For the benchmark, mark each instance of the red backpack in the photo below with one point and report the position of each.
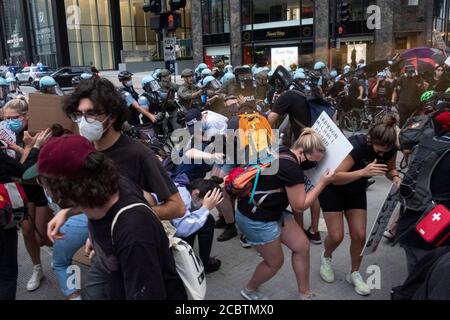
(13, 204)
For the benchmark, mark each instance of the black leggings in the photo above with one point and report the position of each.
(205, 238)
(8, 264)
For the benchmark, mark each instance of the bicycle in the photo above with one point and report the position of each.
(155, 136)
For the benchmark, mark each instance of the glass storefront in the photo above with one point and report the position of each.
(216, 16)
(13, 31)
(90, 42)
(441, 18)
(43, 43)
(285, 25)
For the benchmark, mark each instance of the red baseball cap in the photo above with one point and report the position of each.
(64, 156)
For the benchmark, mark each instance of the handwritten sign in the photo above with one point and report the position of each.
(382, 220)
(338, 147)
(8, 136)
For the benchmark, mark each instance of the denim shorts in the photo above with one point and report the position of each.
(259, 232)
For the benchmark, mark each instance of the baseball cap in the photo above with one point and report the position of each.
(62, 157)
(193, 116)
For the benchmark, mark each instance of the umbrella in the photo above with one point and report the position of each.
(422, 65)
(424, 53)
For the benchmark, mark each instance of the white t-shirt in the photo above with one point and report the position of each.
(215, 123)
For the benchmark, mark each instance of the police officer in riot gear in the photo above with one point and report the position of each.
(215, 100)
(188, 93)
(167, 95)
(131, 96)
(4, 92)
(48, 85)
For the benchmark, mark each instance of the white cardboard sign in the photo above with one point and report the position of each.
(8, 136)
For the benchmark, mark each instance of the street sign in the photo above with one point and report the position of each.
(169, 49)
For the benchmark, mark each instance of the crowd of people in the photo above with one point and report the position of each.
(113, 194)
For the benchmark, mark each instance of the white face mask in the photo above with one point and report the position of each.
(129, 83)
(92, 131)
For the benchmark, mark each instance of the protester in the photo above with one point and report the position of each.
(267, 225)
(373, 154)
(127, 236)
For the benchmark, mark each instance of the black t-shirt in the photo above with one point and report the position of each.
(139, 164)
(409, 91)
(363, 154)
(337, 88)
(139, 264)
(439, 185)
(289, 174)
(353, 90)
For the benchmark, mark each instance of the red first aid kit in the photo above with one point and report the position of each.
(434, 227)
(13, 204)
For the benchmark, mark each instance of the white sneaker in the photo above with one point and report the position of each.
(358, 283)
(326, 271)
(36, 277)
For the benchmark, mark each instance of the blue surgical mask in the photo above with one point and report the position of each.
(15, 125)
(129, 83)
(52, 205)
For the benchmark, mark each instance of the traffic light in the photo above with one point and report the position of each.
(177, 4)
(344, 11)
(154, 6)
(170, 20)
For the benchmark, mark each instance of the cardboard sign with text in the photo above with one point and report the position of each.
(381, 221)
(46, 110)
(7, 136)
(338, 147)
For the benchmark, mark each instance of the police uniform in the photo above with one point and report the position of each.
(130, 96)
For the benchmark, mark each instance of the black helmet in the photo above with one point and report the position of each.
(123, 75)
(76, 81)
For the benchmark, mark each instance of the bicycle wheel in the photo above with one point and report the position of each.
(352, 120)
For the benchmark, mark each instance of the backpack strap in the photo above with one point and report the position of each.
(131, 206)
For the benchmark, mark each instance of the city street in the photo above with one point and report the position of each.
(238, 264)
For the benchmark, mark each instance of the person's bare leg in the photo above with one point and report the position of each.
(392, 226)
(335, 226)
(357, 223)
(265, 270)
(315, 216)
(43, 217)
(29, 238)
(295, 239)
(226, 208)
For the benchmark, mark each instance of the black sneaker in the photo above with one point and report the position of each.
(313, 237)
(213, 265)
(370, 182)
(229, 233)
(244, 243)
(220, 224)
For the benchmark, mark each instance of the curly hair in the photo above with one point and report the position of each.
(104, 97)
(92, 189)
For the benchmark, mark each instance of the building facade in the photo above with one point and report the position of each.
(105, 33)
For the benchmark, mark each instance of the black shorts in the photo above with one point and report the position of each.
(338, 199)
(36, 195)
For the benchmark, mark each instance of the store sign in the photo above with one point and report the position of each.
(275, 34)
(439, 40)
(284, 56)
(15, 41)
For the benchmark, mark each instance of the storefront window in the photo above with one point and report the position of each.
(216, 16)
(91, 43)
(12, 26)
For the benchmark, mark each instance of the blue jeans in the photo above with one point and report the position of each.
(75, 232)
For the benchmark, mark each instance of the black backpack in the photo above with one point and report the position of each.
(414, 130)
(416, 285)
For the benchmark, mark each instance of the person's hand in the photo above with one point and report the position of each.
(217, 156)
(327, 177)
(28, 139)
(152, 117)
(54, 226)
(42, 137)
(196, 94)
(89, 249)
(397, 181)
(375, 169)
(13, 146)
(212, 199)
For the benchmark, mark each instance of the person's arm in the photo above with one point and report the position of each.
(395, 94)
(196, 154)
(343, 176)
(144, 112)
(375, 89)
(361, 93)
(173, 207)
(392, 173)
(273, 118)
(296, 194)
(54, 226)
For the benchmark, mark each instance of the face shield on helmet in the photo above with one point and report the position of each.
(149, 84)
(213, 84)
(55, 89)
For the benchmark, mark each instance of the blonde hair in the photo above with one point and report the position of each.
(18, 104)
(309, 141)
